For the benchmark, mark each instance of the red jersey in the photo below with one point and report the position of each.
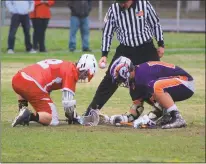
(52, 74)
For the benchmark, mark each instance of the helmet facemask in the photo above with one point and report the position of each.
(122, 77)
(120, 81)
(87, 66)
(120, 71)
(83, 74)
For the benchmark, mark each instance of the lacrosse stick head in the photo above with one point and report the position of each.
(91, 120)
(87, 66)
(120, 71)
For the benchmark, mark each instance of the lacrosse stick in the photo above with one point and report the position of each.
(63, 120)
(126, 123)
(91, 120)
(142, 126)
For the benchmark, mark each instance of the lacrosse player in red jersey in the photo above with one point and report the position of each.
(160, 83)
(34, 84)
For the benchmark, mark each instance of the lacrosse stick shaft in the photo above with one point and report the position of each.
(126, 123)
(63, 120)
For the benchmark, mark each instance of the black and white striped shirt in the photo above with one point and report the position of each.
(133, 26)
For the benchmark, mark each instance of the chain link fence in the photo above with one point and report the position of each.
(174, 15)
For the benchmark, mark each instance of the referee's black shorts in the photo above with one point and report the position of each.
(143, 53)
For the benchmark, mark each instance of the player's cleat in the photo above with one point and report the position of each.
(165, 119)
(176, 122)
(103, 119)
(23, 117)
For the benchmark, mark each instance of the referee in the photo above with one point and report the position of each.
(135, 23)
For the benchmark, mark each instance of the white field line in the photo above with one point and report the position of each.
(167, 50)
(113, 50)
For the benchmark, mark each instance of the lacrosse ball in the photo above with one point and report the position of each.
(103, 65)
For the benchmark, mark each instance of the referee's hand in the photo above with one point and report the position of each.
(102, 60)
(160, 51)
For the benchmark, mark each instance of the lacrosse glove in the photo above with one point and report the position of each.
(136, 110)
(144, 122)
(118, 119)
(70, 111)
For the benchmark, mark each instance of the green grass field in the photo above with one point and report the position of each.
(76, 143)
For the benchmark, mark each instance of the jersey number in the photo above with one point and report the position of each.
(45, 63)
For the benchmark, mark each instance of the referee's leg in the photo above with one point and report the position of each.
(106, 88)
(103, 93)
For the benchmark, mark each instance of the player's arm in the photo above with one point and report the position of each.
(69, 74)
(67, 101)
(137, 107)
(135, 110)
(141, 95)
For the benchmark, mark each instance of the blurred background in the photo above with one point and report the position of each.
(177, 16)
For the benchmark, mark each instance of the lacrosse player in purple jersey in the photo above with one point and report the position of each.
(160, 83)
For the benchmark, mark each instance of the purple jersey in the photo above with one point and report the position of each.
(147, 73)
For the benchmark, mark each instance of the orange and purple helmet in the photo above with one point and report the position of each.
(120, 70)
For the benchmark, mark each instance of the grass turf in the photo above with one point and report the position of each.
(75, 143)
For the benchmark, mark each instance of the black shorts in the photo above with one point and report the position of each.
(138, 55)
